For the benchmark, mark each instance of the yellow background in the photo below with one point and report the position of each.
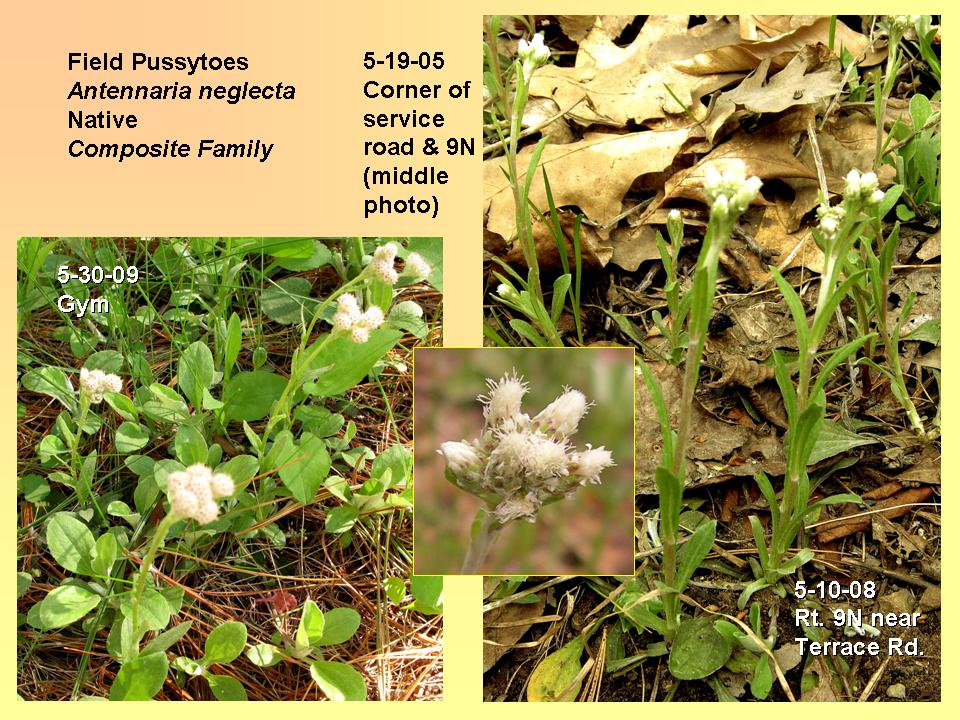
(310, 186)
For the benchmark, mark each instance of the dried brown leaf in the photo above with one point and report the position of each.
(593, 175)
(790, 87)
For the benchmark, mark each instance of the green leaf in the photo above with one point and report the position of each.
(288, 301)
(131, 437)
(122, 405)
(762, 678)
(398, 460)
(141, 678)
(195, 372)
(225, 687)
(53, 382)
(310, 629)
(339, 625)
(224, 643)
(698, 650)
(64, 605)
(320, 255)
(264, 655)
(250, 395)
(23, 583)
(427, 591)
(395, 588)
(304, 468)
(154, 610)
(104, 555)
(110, 361)
(550, 680)
(928, 332)
(693, 552)
(318, 420)
(338, 681)
(344, 364)
(52, 448)
(189, 445)
(341, 519)
(835, 439)
(242, 468)
(167, 639)
(232, 342)
(70, 542)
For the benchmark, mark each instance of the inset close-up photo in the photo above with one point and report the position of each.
(523, 461)
(214, 484)
(753, 204)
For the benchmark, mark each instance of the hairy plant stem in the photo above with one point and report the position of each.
(159, 535)
(480, 543)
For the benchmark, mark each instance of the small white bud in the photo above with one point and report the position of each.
(563, 415)
(459, 456)
(504, 399)
(591, 462)
(876, 197)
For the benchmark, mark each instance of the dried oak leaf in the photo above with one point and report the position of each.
(794, 85)
(577, 27)
(782, 37)
(627, 84)
(593, 175)
(767, 155)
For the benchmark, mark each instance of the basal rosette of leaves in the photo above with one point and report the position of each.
(219, 427)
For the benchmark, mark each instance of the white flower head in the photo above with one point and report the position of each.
(347, 305)
(221, 485)
(517, 507)
(359, 334)
(546, 458)
(862, 188)
(372, 318)
(590, 463)
(459, 456)
(532, 54)
(342, 321)
(95, 383)
(729, 191)
(383, 270)
(194, 492)
(504, 399)
(417, 267)
(564, 414)
(386, 253)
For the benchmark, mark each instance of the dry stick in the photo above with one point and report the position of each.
(487, 149)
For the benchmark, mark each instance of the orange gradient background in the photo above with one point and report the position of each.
(311, 185)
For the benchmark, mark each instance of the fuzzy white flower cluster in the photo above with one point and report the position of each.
(532, 54)
(95, 383)
(730, 192)
(519, 463)
(862, 188)
(349, 318)
(830, 219)
(382, 264)
(383, 269)
(194, 492)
